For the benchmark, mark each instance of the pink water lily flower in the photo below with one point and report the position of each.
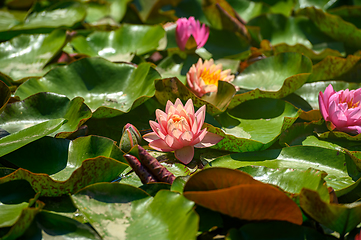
(342, 109)
(191, 27)
(179, 129)
(203, 78)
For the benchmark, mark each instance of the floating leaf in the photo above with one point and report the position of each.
(121, 44)
(271, 116)
(109, 89)
(130, 209)
(237, 194)
(19, 217)
(291, 180)
(334, 26)
(42, 107)
(18, 139)
(27, 55)
(341, 218)
(330, 161)
(273, 77)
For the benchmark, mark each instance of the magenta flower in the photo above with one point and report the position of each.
(342, 109)
(203, 78)
(191, 27)
(179, 129)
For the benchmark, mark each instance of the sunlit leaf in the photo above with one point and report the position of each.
(121, 44)
(27, 55)
(42, 107)
(109, 89)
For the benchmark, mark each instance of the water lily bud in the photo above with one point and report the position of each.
(191, 34)
(341, 109)
(130, 137)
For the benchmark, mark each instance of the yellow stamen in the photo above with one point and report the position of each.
(211, 77)
(351, 104)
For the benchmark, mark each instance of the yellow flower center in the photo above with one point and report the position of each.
(351, 104)
(211, 77)
(176, 118)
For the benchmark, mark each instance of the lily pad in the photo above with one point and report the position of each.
(272, 77)
(341, 218)
(334, 26)
(109, 89)
(261, 120)
(18, 217)
(27, 55)
(130, 209)
(237, 194)
(42, 107)
(331, 161)
(75, 164)
(44, 20)
(121, 44)
(25, 136)
(98, 11)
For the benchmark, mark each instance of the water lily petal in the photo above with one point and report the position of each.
(185, 154)
(160, 145)
(209, 140)
(150, 137)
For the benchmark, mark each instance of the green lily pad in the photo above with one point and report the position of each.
(109, 89)
(331, 161)
(278, 28)
(87, 159)
(49, 225)
(261, 120)
(42, 107)
(313, 54)
(341, 218)
(237, 194)
(25, 136)
(172, 88)
(44, 20)
(272, 77)
(97, 11)
(27, 55)
(291, 180)
(5, 94)
(334, 26)
(18, 217)
(335, 68)
(249, 9)
(130, 209)
(121, 44)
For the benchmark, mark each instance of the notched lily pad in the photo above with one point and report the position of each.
(27, 55)
(109, 89)
(272, 77)
(42, 107)
(121, 44)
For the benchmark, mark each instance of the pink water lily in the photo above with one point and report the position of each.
(203, 78)
(191, 27)
(342, 109)
(179, 129)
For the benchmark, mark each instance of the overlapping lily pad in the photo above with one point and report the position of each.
(42, 107)
(254, 125)
(75, 164)
(27, 55)
(121, 44)
(130, 209)
(331, 161)
(109, 89)
(273, 77)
